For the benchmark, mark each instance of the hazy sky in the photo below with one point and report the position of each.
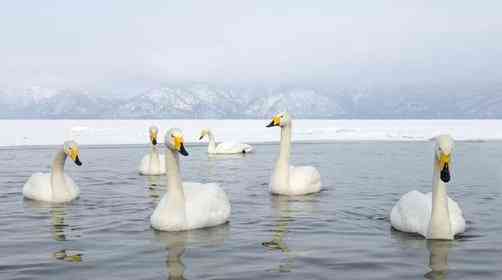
(98, 43)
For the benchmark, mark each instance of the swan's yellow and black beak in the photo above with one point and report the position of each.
(444, 166)
(178, 144)
(153, 138)
(276, 121)
(74, 155)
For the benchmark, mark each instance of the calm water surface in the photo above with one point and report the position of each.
(341, 233)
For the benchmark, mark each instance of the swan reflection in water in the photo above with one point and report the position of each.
(438, 260)
(156, 188)
(177, 242)
(155, 180)
(59, 229)
(287, 209)
(226, 156)
(438, 252)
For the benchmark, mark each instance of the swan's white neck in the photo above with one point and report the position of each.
(175, 204)
(281, 174)
(285, 144)
(212, 142)
(58, 183)
(440, 224)
(154, 159)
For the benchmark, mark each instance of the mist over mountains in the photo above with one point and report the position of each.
(204, 101)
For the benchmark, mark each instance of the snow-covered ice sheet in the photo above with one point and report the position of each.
(105, 132)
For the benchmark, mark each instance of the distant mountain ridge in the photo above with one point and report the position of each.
(203, 101)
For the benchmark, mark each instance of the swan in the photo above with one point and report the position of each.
(153, 163)
(225, 147)
(432, 215)
(287, 179)
(56, 186)
(187, 205)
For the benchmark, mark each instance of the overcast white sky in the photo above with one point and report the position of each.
(96, 43)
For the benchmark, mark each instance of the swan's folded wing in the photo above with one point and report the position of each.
(38, 187)
(304, 179)
(412, 213)
(233, 148)
(456, 217)
(206, 204)
(72, 186)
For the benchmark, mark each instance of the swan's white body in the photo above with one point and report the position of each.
(153, 163)
(412, 213)
(433, 215)
(189, 205)
(52, 187)
(290, 180)
(225, 147)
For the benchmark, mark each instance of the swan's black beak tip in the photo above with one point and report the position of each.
(78, 162)
(183, 151)
(154, 142)
(271, 124)
(200, 138)
(445, 174)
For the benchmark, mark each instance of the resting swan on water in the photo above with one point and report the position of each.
(187, 205)
(432, 215)
(153, 163)
(56, 186)
(225, 147)
(287, 179)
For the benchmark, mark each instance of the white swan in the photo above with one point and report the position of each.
(287, 179)
(225, 147)
(153, 163)
(56, 186)
(187, 205)
(432, 215)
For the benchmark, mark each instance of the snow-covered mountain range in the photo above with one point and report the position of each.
(203, 101)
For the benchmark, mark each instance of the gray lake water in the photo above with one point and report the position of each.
(343, 232)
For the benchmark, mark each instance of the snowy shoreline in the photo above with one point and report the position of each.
(116, 132)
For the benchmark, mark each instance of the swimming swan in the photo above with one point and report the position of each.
(153, 163)
(432, 215)
(287, 179)
(187, 205)
(56, 186)
(225, 147)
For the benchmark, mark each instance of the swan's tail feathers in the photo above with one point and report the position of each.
(316, 179)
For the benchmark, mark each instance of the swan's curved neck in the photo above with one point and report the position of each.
(58, 183)
(176, 198)
(285, 144)
(212, 142)
(440, 224)
(154, 158)
(281, 174)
